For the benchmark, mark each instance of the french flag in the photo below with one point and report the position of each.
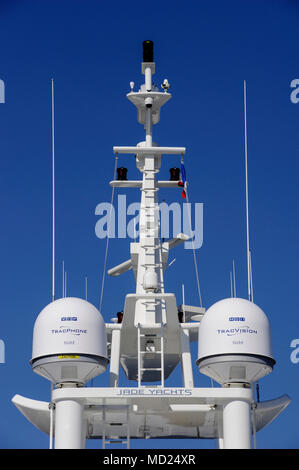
(183, 183)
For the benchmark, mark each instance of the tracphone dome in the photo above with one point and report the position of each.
(69, 342)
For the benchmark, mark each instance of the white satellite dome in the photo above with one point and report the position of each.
(234, 342)
(69, 342)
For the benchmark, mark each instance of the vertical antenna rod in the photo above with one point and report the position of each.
(246, 189)
(251, 285)
(53, 198)
(63, 279)
(234, 279)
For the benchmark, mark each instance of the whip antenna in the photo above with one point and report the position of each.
(53, 197)
(234, 279)
(251, 285)
(246, 190)
(63, 279)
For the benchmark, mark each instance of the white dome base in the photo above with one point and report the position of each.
(69, 368)
(235, 368)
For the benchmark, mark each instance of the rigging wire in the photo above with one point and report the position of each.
(193, 247)
(107, 241)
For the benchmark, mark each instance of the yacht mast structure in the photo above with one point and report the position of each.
(149, 338)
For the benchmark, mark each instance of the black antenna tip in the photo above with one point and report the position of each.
(148, 51)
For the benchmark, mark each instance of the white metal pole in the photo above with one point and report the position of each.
(115, 357)
(251, 284)
(63, 279)
(148, 78)
(183, 299)
(220, 443)
(231, 284)
(186, 359)
(53, 198)
(84, 432)
(254, 424)
(68, 424)
(234, 278)
(51, 408)
(148, 111)
(148, 127)
(237, 425)
(246, 192)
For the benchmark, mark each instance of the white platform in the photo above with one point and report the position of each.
(198, 410)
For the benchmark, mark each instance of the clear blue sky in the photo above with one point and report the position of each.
(93, 50)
